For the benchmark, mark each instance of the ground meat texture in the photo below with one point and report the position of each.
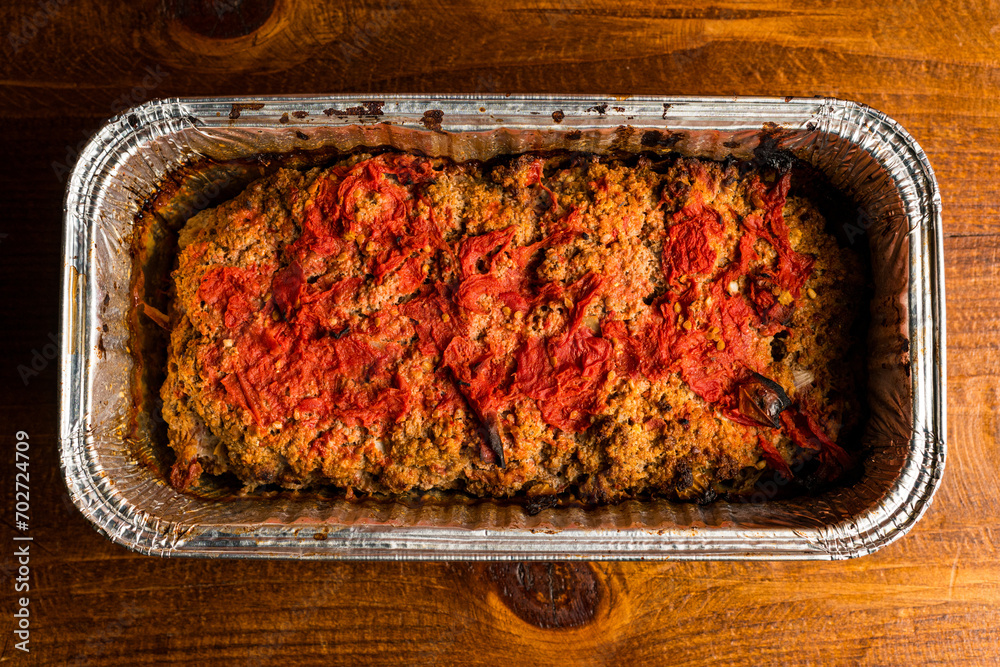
(544, 325)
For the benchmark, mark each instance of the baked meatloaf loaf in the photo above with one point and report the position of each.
(543, 324)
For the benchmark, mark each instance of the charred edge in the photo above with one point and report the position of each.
(658, 139)
(767, 153)
(538, 503)
(707, 497)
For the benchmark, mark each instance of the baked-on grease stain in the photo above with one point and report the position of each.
(367, 109)
(236, 109)
(432, 119)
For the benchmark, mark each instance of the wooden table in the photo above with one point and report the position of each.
(934, 595)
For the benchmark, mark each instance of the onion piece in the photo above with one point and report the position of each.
(802, 378)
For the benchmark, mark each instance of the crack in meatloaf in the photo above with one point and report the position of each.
(544, 325)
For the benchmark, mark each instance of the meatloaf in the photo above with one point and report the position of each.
(543, 324)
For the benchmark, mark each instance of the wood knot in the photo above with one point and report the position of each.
(222, 19)
(548, 595)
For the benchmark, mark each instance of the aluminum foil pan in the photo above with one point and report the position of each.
(864, 153)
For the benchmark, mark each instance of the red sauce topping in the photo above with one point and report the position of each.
(300, 350)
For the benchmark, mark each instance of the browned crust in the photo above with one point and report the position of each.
(695, 450)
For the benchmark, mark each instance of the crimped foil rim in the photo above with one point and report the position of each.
(112, 514)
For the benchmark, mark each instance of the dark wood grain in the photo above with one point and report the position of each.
(933, 596)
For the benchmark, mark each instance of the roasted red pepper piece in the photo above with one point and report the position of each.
(762, 400)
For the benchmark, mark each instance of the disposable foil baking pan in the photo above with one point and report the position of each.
(864, 153)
